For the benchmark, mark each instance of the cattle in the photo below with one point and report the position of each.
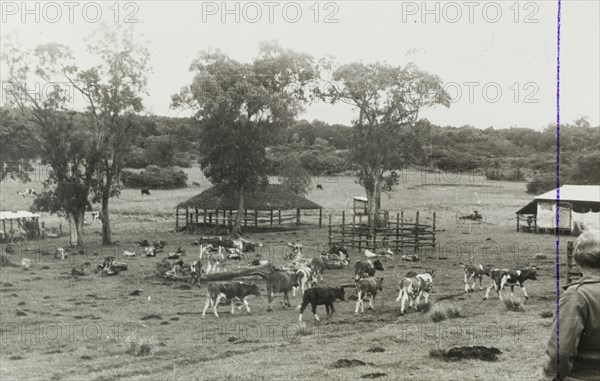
(144, 243)
(159, 244)
(145, 191)
(296, 252)
(413, 288)
(128, 253)
(367, 287)
(473, 273)
(366, 267)
(304, 277)
(230, 291)
(195, 270)
(150, 251)
(319, 296)
(60, 253)
(176, 270)
(511, 277)
(27, 192)
(318, 265)
(95, 217)
(387, 253)
(319, 186)
(280, 281)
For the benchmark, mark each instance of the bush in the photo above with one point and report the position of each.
(443, 311)
(541, 184)
(295, 177)
(514, 305)
(154, 177)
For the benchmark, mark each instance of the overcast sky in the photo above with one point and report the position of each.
(497, 59)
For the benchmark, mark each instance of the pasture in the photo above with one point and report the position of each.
(55, 326)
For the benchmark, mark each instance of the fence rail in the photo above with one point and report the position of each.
(391, 231)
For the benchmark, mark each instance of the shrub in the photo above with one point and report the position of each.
(514, 305)
(443, 311)
(295, 177)
(547, 314)
(541, 184)
(154, 177)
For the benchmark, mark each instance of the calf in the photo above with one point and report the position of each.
(319, 186)
(511, 277)
(195, 270)
(366, 267)
(145, 191)
(304, 276)
(412, 288)
(94, 217)
(296, 252)
(230, 291)
(367, 287)
(473, 272)
(27, 192)
(318, 265)
(318, 296)
(280, 281)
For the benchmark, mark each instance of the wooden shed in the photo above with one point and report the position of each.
(269, 207)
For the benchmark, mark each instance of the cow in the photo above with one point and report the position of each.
(413, 288)
(511, 277)
(128, 253)
(145, 191)
(230, 291)
(60, 253)
(195, 270)
(280, 281)
(319, 296)
(296, 252)
(319, 186)
(27, 192)
(318, 265)
(95, 216)
(304, 276)
(473, 273)
(366, 267)
(367, 287)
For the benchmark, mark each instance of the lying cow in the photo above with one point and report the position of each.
(473, 273)
(319, 296)
(367, 287)
(366, 267)
(413, 288)
(280, 281)
(511, 277)
(230, 291)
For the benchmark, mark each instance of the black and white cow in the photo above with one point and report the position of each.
(474, 272)
(366, 267)
(304, 278)
(319, 296)
(412, 289)
(27, 192)
(229, 291)
(502, 277)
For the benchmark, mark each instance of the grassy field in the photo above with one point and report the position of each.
(55, 326)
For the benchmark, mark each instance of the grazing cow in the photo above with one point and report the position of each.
(473, 273)
(319, 186)
(366, 267)
(511, 277)
(195, 270)
(318, 265)
(230, 291)
(318, 296)
(413, 288)
(280, 281)
(367, 287)
(304, 276)
(145, 191)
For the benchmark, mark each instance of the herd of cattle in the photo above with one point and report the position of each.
(304, 274)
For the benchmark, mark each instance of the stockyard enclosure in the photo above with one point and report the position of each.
(136, 325)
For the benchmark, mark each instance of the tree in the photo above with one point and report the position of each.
(64, 136)
(18, 145)
(294, 176)
(238, 104)
(388, 100)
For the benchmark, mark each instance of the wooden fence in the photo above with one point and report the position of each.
(392, 231)
(573, 271)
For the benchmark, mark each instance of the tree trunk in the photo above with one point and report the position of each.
(79, 225)
(75, 228)
(106, 234)
(237, 227)
(377, 194)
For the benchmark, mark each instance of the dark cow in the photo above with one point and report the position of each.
(511, 277)
(319, 186)
(366, 267)
(318, 296)
(473, 273)
(145, 191)
(280, 281)
(367, 287)
(229, 291)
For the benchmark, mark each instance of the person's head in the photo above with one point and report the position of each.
(587, 250)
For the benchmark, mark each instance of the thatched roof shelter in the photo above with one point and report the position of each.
(215, 204)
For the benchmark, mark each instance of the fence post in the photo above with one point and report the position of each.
(433, 243)
(402, 230)
(343, 227)
(245, 218)
(210, 219)
(417, 232)
(204, 217)
(320, 217)
(517, 223)
(271, 218)
(256, 218)
(216, 217)
(43, 230)
(298, 217)
(176, 220)
(279, 215)
(329, 231)
(60, 230)
(397, 230)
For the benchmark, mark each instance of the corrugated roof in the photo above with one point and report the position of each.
(589, 193)
(15, 215)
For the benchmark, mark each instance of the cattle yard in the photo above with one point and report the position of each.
(136, 325)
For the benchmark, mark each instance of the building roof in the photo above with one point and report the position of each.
(272, 197)
(586, 193)
(574, 193)
(16, 215)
